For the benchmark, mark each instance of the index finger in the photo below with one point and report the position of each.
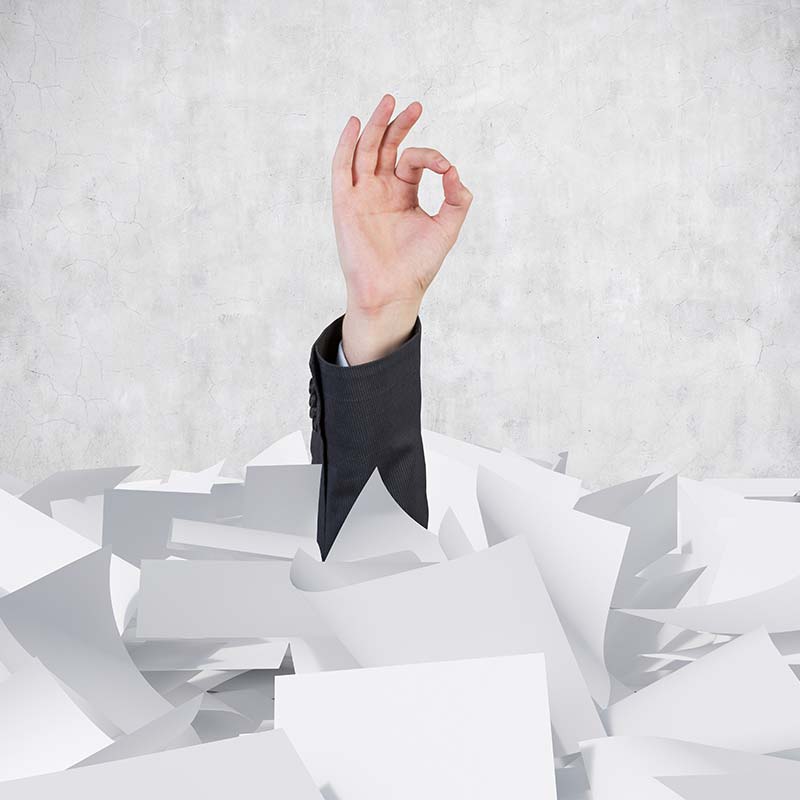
(342, 166)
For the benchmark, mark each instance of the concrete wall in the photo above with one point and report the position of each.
(627, 285)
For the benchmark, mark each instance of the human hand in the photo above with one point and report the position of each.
(389, 248)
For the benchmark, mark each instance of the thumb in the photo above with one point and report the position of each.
(457, 199)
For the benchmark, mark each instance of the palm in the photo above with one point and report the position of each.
(390, 249)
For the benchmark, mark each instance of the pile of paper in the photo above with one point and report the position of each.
(182, 635)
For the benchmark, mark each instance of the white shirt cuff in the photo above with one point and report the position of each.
(340, 359)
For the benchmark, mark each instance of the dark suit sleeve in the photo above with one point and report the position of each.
(366, 416)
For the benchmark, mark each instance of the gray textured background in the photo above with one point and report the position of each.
(627, 283)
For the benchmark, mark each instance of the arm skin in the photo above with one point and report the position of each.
(367, 415)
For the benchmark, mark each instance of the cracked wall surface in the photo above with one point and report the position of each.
(627, 284)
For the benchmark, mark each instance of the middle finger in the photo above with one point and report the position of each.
(366, 156)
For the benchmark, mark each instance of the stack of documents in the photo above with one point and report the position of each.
(182, 636)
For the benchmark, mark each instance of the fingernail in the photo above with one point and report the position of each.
(443, 163)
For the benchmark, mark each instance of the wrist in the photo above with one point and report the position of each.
(370, 334)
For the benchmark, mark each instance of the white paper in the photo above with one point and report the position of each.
(450, 484)
(262, 765)
(490, 603)
(82, 516)
(74, 483)
(223, 600)
(777, 785)
(761, 550)
(625, 767)
(311, 575)
(241, 540)
(289, 449)
(137, 522)
(777, 610)
(168, 655)
(607, 503)
(320, 654)
(42, 729)
(742, 696)
(578, 555)
(123, 581)
(65, 619)
(283, 499)
(13, 656)
(33, 545)
(376, 525)
(452, 537)
(419, 731)
(453, 474)
(784, 488)
(653, 522)
(152, 737)
(192, 482)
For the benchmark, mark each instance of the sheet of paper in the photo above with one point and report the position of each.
(572, 783)
(490, 603)
(311, 575)
(783, 488)
(74, 483)
(123, 580)
(452, 537)
(777, 610)
(153, 737)
(420, 731)
(319, 654)
(761, 550)
(192, 482)
(242, 540)
(776, 785)
(167, 655)
(664, 591)
(13, 656)
(653, 522)
(86, 518)
(706, 701)
(450, 484)
(223, 600)
(262, 765)
(82, 516)
(42, 729)
(33, 544)
(283, 499)
(137, 522)
(625, 767)
(563, 490)
(670, 564)
(453, 475)
(66, 620)
(376, 525)
(579, 558)
(607, 503)
(287, 450)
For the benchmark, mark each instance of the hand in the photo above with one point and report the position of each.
(389, 248)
